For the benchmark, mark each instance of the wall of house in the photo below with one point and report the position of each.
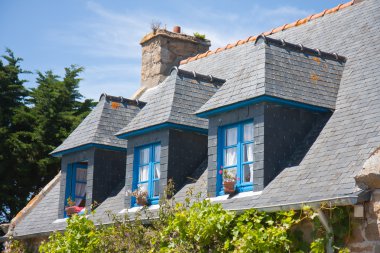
(285, 128)
(161, 136)
(187, 150)
(109, 172)
(79, 156)
(365, 236)
(255, 112)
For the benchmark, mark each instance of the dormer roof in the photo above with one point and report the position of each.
(98, 128)
(173, 103)
(276, 70)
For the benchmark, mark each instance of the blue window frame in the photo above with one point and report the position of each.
(76, 182)
(235, 155)
(147, 171)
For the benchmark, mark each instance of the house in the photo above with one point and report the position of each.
(293, 114)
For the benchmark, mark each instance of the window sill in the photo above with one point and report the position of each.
(60, 220)
(237, 196)
(138, 208)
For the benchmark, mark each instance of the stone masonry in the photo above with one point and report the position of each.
(161, 50)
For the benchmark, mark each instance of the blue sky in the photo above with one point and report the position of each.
(103, 36)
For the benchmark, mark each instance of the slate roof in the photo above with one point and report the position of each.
(109, 116)
(284, 70)
(174, 101)
(352, 133)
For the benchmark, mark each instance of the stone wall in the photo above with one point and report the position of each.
(365, 236)
(161, 50)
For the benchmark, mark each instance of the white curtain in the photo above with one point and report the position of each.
(144, 172)
(231, 136)
(144, 156)
(230, 157)
(80, 188)
(143, 187)
(157, 170)
(248, 132)
(157, 153)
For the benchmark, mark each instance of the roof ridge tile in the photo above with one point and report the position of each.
(274, 30)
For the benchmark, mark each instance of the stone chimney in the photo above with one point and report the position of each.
(162, 49)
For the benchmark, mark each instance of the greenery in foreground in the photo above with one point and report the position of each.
(32, 123)
(200, 226)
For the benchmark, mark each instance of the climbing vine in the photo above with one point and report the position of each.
(202, 226)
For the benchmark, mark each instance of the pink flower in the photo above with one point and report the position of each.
(220, 172)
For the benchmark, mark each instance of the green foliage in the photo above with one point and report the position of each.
(263, 232)
(203, 227)
(318, 246)
(32, 123)
(189, 227)
(15, 137)
(14, 246)
(200, 36)
(80, 235)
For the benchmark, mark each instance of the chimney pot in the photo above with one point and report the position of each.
(177, 29)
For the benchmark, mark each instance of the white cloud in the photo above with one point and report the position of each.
(107, 37)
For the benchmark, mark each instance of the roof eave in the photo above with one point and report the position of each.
(165, 125)
(85, 147)
(260, 99)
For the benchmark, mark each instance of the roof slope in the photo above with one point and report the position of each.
(99, 127)
(283, 70)
(174, 101)
(352, 133)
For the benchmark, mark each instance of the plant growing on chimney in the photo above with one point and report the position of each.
(155, 25)
(200, 36)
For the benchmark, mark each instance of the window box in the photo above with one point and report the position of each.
(70, 210)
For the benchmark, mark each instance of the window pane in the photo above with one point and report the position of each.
(231, 136)
(156, 188)
(157, 171)
(80, 202)
(80, 190)
(229, 156)
(248, 132)
(248, 173)
(157, 153)
(144, 156)
(81, 175)
(143, 187)
(230, 173)
(143, 173)
(248, 152)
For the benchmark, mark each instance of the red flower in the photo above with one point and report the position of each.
(220, 172)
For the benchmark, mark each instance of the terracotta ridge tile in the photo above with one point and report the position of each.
(273, 31)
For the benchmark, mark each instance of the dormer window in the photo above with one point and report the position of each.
(76, 182)
(236, 155)
(147, 171)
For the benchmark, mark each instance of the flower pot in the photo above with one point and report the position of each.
(70, 210)
(141, 201)
(229, 187)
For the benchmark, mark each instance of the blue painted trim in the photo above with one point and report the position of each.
(87, 146)
(162, 126)
(264, 98)
(71, 182)
(241, 186)
(151, 179)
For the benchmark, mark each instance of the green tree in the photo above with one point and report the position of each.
(57, 109)
(32, 123)
(15, 136)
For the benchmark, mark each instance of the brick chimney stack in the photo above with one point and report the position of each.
(162, 49)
